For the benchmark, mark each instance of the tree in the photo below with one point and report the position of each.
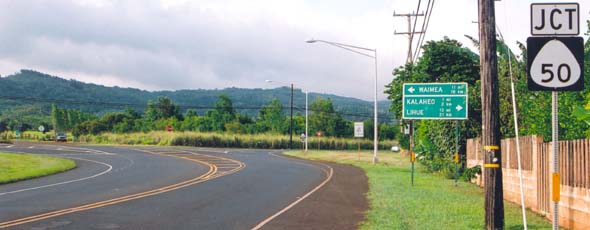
(3, 126)
(164, 108)
(191, 113)
(272, 117)
(323, 117)
(223, 112)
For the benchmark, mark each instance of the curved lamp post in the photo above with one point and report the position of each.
(358, 50)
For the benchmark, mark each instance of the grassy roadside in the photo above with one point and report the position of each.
(16, 166)
(432, 203)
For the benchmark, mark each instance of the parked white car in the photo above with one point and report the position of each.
(395, 148)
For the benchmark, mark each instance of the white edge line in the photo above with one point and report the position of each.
(110, 167)
(261, 224)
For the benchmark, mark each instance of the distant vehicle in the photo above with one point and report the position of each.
(395, 148)
(61, 137)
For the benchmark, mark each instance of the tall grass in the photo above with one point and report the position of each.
(226, 140)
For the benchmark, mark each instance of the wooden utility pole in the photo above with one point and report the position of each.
(409, 60)
(493, 190)
(410, 32)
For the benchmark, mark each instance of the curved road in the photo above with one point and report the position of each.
(155, 188)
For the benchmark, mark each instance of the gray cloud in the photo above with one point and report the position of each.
(162, 49)
(182, 44)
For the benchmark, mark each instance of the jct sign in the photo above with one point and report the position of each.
(555, 60)
(555, 19)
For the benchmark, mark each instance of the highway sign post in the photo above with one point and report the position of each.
(434, 101)
(359, 129)
(359, 132)
(555, 63)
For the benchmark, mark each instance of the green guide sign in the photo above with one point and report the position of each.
(435, 101)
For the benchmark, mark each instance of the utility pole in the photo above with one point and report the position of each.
(291, 122)
(493, 190)
(410, 34)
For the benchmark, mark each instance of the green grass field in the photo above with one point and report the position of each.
(16, 166)
(432, 203)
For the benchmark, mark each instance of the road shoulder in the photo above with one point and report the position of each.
(341, 204)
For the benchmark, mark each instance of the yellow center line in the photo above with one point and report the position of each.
(211, 174)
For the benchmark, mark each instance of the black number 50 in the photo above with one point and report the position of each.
(547, 68)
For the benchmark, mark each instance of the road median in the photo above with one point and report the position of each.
(16, 166)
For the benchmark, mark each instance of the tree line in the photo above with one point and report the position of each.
(223, 117)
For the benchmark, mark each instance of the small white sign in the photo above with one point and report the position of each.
(407, 129)
(359, 129)
(555, 19)
(41, 128)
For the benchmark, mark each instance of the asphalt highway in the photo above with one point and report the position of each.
(155, 188)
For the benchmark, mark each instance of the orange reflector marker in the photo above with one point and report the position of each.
(491, 165)
(555, 187)
(456, 158)
(491, 147)
(413, 157)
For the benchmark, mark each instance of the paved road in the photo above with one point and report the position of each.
(155, 188)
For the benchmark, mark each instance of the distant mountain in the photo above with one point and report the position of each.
(32, 88)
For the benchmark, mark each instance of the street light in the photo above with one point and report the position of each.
(291, 122)
(355, 49)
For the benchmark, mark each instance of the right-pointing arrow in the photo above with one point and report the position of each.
(459, 107)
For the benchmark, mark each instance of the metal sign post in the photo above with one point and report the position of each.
(555, 63)
(456, 158)
(359, 132)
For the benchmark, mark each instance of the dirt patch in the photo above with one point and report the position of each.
(340, 204)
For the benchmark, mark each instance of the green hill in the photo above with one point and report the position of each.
(22, 91)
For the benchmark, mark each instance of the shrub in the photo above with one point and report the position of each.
(471, 173)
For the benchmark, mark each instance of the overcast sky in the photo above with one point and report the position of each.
(181, 44)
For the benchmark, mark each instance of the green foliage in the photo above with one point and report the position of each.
(272, 117)
(223, 112)
(471, 173)
(324, 119)
(582, 112)
(66, 119)
(162, 109)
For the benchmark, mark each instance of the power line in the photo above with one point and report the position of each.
(425, 23)
(415, 22)
(198, 107)
(410, 32)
